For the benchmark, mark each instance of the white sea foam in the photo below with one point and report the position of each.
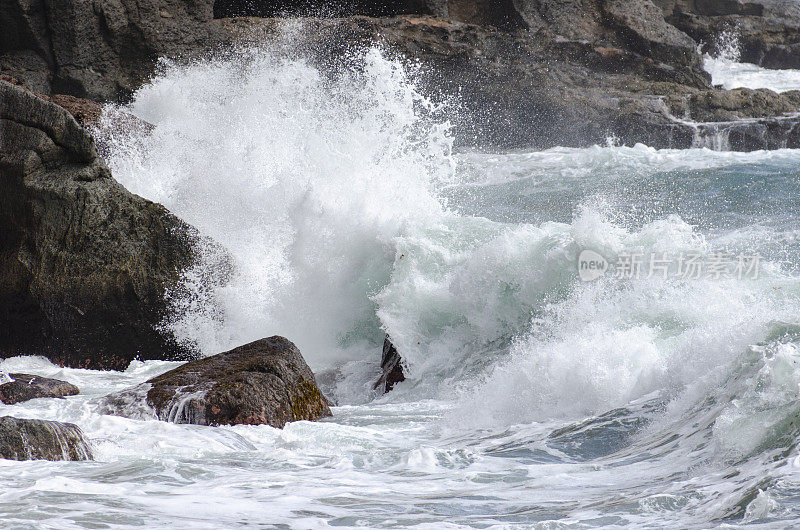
(731, 74)
(727, 70)
(346, 215)
(304, 179)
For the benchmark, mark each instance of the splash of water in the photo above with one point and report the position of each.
(328, 191)
(726, 70)
(728, 45)
(306, 177)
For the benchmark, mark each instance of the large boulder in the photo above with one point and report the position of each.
(24, 387)
(264, 382)
(84, 264)
(23, 439)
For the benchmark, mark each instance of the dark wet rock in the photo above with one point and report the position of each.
(750, 135)
(264, 382)
(391, 368)
(522, 73)
(640, 26)
(86, 112)
(24, 387)
(768, 30)
(84, 264)
(23, 439)
(524, 90)
(729, 105)
(96, 50)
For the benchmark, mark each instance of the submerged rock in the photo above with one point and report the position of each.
(84, 263)
(25, 387)
(391, 366)
(23, 439)
(264, 382)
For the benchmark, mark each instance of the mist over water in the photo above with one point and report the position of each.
(531, 398)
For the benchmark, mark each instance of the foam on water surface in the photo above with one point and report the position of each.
(531, 398)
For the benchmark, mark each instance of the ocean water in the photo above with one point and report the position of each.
(653, 398)
(730, 74)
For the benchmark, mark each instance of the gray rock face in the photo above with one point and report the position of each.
(84, 264)
(100, 50)
(24, 387)
(264, 382)
(640, 24)
(22, 439)
(750, 135)
(529, 73)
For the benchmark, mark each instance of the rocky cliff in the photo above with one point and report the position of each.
(84, 264)
(527, 73)
(768, 31)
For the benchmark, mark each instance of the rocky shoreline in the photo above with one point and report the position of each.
(85, 265)
(523, 74)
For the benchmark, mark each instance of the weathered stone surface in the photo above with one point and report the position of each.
(528, 73)
(97, 50)
(24, 387)
(641, 26)
(768, 30)
(23, 439)
(85, 112)
(729, 105)
(84, 264)
(264, 382)
(517, 91)
(391, 368)
(22, 109)
(750, 135)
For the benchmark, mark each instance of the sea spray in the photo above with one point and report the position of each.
(726, 70)
(347, 216)
(642, 401)
(305, 177)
